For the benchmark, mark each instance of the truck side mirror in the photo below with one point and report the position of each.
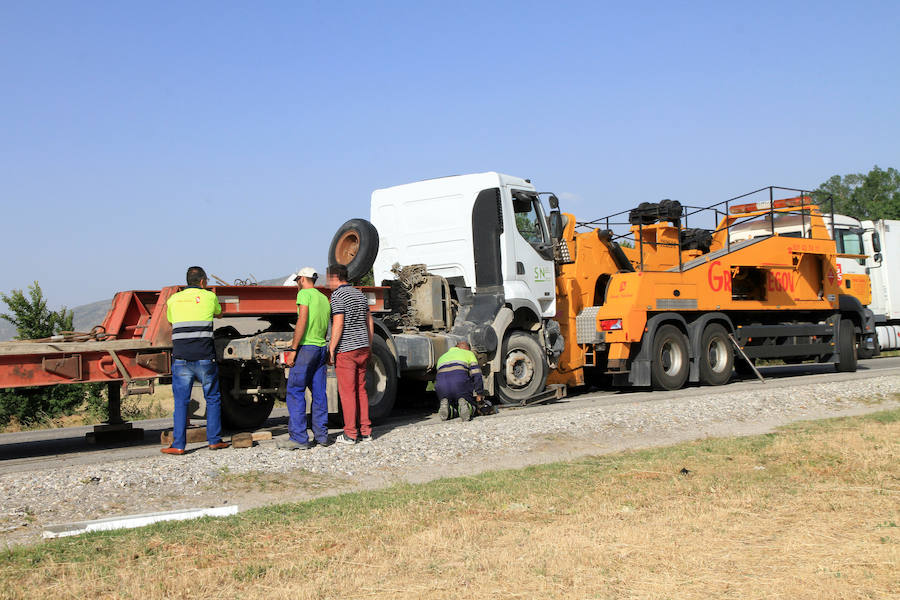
(554, 202)
(556, 225)
(877, 257)
(876, 243)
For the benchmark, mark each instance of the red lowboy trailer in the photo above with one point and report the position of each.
(131, 350)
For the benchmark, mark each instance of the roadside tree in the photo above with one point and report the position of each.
(30, 406)
(871, 196)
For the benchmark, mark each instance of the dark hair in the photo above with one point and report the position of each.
(339, 271)
(195, 275)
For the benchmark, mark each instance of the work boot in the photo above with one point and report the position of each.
(444, 410)
(290, 444)
(465, 409)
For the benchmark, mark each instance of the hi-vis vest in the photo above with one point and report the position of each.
(457, 365)
(191, 313)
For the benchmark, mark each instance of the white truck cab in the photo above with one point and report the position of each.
(877, 246)
(436, 223)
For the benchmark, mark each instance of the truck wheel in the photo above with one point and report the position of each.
(716, 357)
(523, 372)
(355, 245)
(381, 380)
(244, 412)
(847, 346)
(669, 364)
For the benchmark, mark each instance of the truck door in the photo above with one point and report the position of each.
(533, 277)
(849, 241)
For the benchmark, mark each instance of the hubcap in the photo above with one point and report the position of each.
(346, 248)
(671, 358)
(519, 369)
(716, 353)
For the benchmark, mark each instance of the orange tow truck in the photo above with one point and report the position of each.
(671, 304)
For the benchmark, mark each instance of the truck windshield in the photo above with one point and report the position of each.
(528, 218)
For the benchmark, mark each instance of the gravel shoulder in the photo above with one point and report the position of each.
(417, 452)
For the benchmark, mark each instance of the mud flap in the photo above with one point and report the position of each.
(639, 375)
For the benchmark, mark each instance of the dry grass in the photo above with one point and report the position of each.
(812, 512)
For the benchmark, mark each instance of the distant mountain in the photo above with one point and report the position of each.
(88, 315)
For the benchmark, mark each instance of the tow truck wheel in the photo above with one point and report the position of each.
(669, 364)
(523, 372)
(847, 345)
(381, 380)
(716, 358)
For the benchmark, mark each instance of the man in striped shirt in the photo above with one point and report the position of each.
(458, 383)
(349, 350)
(191, 312)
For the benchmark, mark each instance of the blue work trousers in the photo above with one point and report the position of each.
(454, 385)
(184, 372)
(309, 371)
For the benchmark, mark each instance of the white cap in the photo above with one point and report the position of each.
(306, 272)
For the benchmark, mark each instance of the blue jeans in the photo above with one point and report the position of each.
(184, 372)
(309, 371)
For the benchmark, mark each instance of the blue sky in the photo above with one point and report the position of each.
(138, 139)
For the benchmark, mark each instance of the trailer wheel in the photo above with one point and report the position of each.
(244, 412)
(355, 245)
(523, 372)
(669, 365)
(381, 380)
(847, 346)
(716, 357)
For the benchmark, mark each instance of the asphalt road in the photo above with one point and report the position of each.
(52, 448)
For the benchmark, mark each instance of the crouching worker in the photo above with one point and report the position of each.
(459, 385)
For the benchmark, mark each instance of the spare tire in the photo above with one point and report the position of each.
(355, 245)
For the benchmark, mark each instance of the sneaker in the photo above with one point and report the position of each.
(218, 446)
(174, 451)
(444, 410)
(328, 441)
(290, 444)
(465, 409)
(345, 439)
(365, 438)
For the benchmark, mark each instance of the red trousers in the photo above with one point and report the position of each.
(350, 369)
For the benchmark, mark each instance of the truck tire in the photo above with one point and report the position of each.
(847, 346)
(669, 364)
(355, 245)
(716, 357)
(244, 412)
(381, 380)
(523, 370)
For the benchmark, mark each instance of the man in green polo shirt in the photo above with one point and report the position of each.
(308, 365)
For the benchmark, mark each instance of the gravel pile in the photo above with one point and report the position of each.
(32, 499)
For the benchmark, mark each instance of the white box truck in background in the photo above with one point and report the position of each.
(880, 242)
